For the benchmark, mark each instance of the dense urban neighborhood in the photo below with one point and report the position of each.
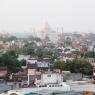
(45, 57)
(49, 51)
(47, 47)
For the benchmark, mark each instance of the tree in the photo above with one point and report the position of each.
(32, 38)
(76, 66)
(11, 38)
(58, 65)
(90, 54)
(39, 52)
(28, 50)
(23, 62)
(46, 53)
(9, 60)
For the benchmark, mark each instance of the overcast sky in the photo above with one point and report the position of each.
(23, 15)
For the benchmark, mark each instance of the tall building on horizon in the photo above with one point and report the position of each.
(47, 31)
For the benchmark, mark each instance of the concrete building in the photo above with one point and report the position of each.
(23, 57)
(49, 78)
(32, 61)
(91, 61)
(3, 72)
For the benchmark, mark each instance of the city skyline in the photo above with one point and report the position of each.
(21, 16)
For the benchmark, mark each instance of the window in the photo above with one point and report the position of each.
(13, 94)
(55, 85)
(48, 75)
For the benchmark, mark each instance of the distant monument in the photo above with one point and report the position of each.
(47, 31)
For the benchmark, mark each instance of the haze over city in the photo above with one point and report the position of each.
(47, 47)
(18, 16)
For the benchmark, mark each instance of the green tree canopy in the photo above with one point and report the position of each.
(75, 66)
(79, 66)
(11, 38)
(90, 54)
(39, 52)
(59, 65)
(9, 60)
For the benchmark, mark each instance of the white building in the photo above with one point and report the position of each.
(47, 31)
(23, 57)
(51, 78)
(31, 61)
(91, 61)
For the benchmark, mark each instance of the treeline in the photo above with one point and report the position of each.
(75, 66)
(10, 60)
(88, 54)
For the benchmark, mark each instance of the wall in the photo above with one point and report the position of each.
(51, 78)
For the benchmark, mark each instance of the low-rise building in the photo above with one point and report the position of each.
(49, 78)
(3, 72)
(91, 61)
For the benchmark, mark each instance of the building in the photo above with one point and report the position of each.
(91, 61)
(66, 53)
(46, 31)
(3, 72)
(23, 57)
(34, 69)
(31, 61)
(49, 78)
